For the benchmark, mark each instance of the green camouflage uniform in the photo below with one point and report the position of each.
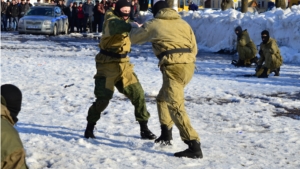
(246, 48)
(12, 151)
(116, 72)
(168, 31)
(270, 55)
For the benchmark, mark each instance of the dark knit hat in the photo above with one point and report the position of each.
(239, 30)
(265, 39)
(120, 4)
(158, 6)
(13, 98)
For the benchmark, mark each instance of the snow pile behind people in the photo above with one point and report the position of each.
(214, 29)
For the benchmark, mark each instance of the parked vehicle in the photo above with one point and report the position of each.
(44, 19)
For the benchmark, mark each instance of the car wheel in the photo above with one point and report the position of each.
(55, 30)
(66, 28)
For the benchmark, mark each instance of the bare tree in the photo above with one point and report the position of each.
(280, 4)
(244, 6)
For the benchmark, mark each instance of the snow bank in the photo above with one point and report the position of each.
(214, 29)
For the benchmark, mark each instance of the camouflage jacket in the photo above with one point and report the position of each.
(246, 41)
(12, 151)
(270, 54)
(115, 38)
(167, 31)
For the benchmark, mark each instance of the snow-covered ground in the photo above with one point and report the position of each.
(234, 115)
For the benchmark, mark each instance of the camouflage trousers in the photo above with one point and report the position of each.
(170, 100)
(245, 54)
(121, 76)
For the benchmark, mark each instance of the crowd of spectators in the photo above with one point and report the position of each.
(82, 17)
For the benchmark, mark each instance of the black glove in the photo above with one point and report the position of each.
(258, 67)
(260, 52)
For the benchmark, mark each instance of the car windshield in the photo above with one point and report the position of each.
(40, 12)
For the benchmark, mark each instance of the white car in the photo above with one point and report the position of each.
(44, 19)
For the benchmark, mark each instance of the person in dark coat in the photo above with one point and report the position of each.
(74, 15)
(69, 12)
(61, 5)
(28, 2)
(8, 15)
(24, 7)
(192, 6)
(14, 11)
(80, 16)
(96, 16)
(3, 14)
(88, 15)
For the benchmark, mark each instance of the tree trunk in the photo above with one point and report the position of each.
(280, 4)
(170, 3)
(244, 6)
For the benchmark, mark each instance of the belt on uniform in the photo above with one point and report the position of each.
(112, 54)
(179, 50)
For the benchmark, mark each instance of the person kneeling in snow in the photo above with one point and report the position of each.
(175, 46)
(12, 151)
(270, 55)
(246, 49)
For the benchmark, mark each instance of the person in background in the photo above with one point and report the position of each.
(96, 16)
(226, 4)
(192, 6)
(12, 150)
(102, 9)
(135, 10)
(74, 15)
(69, 12)
(61, 5)
(80, 16)
(8, 16)
(14, 12)
(88, 15)
(29, 4)
(245, 48)
(3, 14)
(115, 70)
(269, 55)
(23, 8)
(176, 48)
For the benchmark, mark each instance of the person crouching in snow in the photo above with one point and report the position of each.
(270, 55)
(12, 150)
(175, 46)
(246, 49)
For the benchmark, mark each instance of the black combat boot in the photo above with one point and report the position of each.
(276, 71)
(239, 63)
(194, 150)
(89, 130)
(264, 73)
(145, 132)
(254, 60)
(165, 137)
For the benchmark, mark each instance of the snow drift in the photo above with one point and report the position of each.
(214, 29)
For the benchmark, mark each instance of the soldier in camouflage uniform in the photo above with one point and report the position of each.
(246, 48)
(115, 70)
(174, 44)
(270, 55)
(12, 150)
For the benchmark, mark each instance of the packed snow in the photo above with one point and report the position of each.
(242, 121)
